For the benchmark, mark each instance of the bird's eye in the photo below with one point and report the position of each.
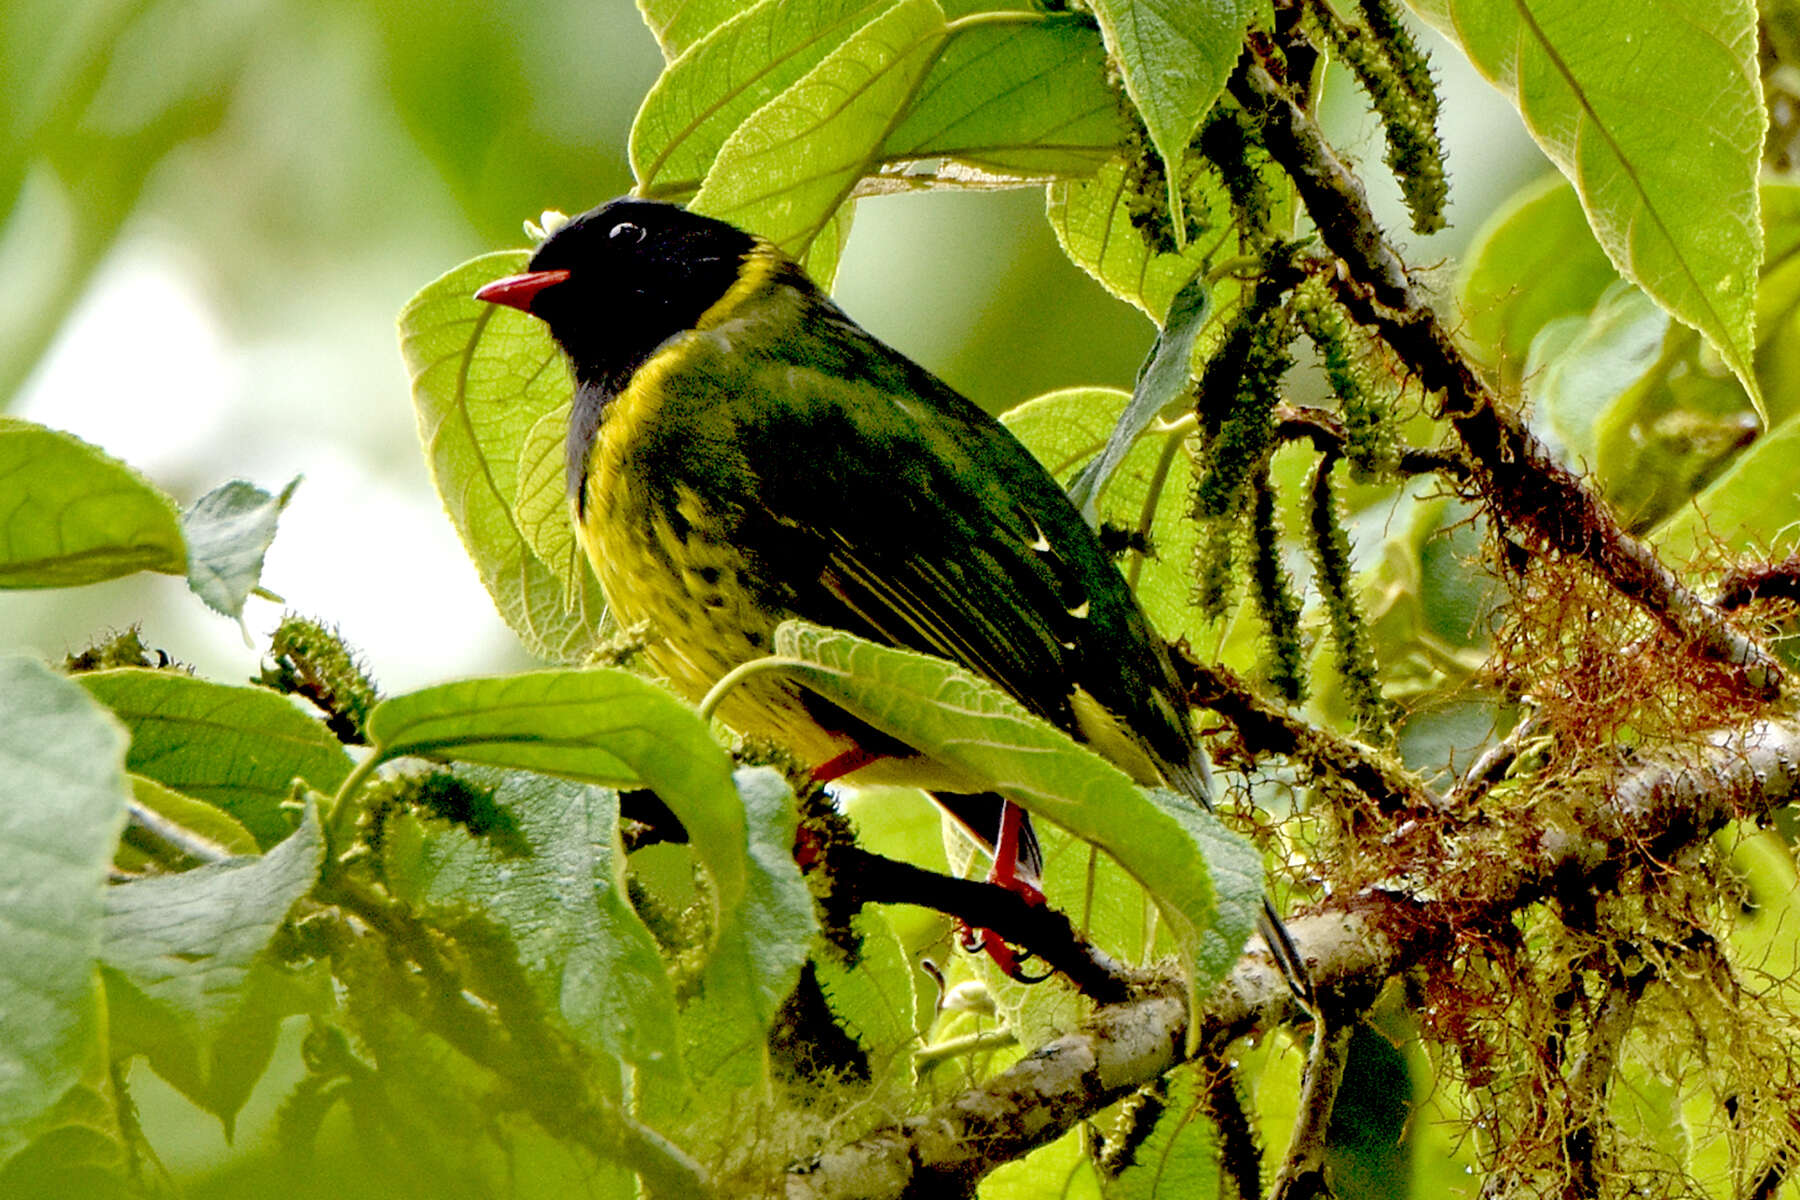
(625, 229)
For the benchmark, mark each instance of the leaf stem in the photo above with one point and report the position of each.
(342, 811)
(741, 672)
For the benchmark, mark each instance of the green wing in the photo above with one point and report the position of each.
(868, 495)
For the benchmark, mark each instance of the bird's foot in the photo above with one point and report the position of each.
(1010, 961)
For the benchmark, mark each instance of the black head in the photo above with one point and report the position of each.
(619, 280)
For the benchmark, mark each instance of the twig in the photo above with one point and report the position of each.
(1765, 581)
(1266, 729)
(1045, 932)
(1302, 1172)
(1325, 430)
(1525, 486)
(1591, 1078)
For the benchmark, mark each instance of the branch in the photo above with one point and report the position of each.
(1525, 486)
(1352, 948)
(1267, 729)
(1303, 1168)
(1045, 932)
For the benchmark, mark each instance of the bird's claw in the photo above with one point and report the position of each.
(1011, 962)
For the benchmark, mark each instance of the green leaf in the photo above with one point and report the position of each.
(772, 928)
(1163, 379)
(678, 24)
(185, 946)
(1534, 260)
(78, 1150)
(604, 727)
(583, 948)
(1064, 1169)
(1093, 223)
(1179, 1158)
(482, 376)
(228, 532)
(1578, 368)
(70, 514)
(197, 823)
(734, 70)
(826, 252)
(543, 512)
(1747, 508)
(237, 748)
(1026, 99)
(187, 940)
(62, 804)
(1206, 881)
(873, 997)
(1659, 124)
(761, 948)
(1066, 429)
(1176, 56)
(786, 169)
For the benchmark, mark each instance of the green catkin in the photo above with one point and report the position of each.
(314, 662)
(1276, 601)
(1237, 397)
(1396, 76)
(1331, 562)
(1213, 558)
(1371, 441)
(1229, 146)
(1387, 24)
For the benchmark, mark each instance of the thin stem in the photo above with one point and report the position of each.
(756, 666)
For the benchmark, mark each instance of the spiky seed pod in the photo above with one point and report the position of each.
(312, 660)
(1331, 561)
(1276, 601)
(1396, 76)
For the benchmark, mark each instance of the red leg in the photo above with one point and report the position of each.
(850, 761)
(1005, 872)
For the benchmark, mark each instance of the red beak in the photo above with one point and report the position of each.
(518, 291)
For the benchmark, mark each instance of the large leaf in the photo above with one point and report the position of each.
(604, 727)
(1027, 98)
(1175, 56)
(187, 940)
(70, 514)
(765, 940)
(730, 73)
(1658, 122)
(562, 905)
(1093, 223)
(482, 375)
(1164, 378)
(184, 952)
(783, 172)
(1534, 260)
(678, 24)
(1206, 881)
(1748, 508)
(237, 748)
(62, 804)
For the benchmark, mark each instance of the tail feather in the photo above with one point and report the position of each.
(979, 814)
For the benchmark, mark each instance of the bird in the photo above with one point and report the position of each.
(741, 452)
